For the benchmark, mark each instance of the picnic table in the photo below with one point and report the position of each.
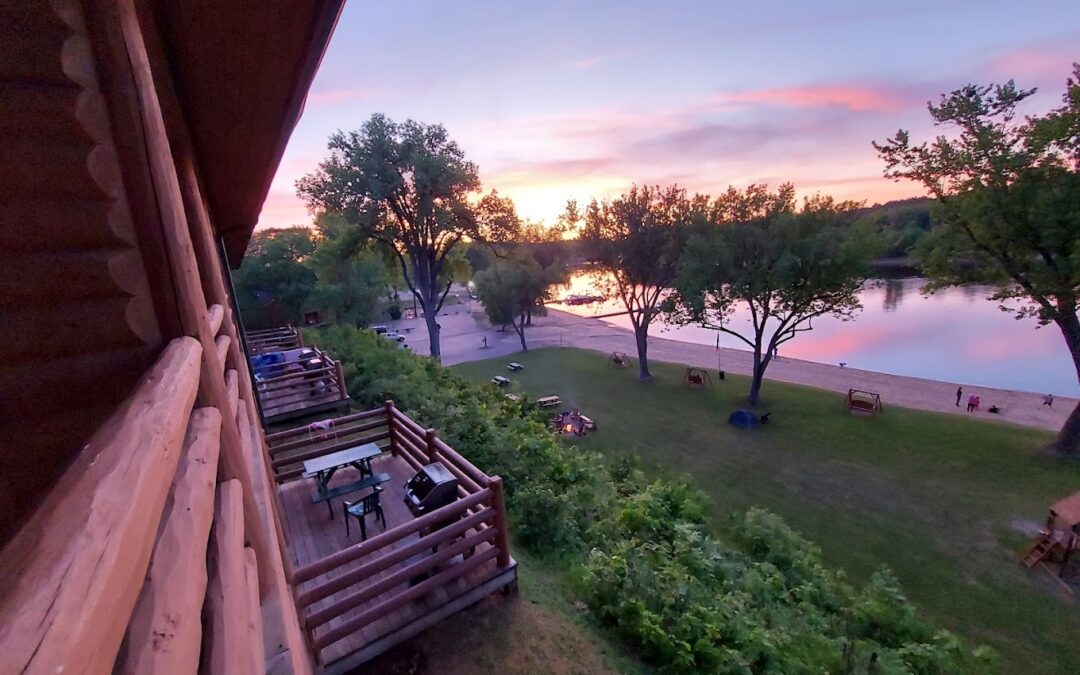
(514, 366)
(322, 469)
(548, 401)
(500, 380)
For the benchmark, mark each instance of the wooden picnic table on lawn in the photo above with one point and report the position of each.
(514, 365)
(500, 380)
(548, 401)
(322, 468)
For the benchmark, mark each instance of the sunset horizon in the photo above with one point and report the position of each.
(582, 102)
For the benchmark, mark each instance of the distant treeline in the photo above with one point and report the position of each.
(901, 224)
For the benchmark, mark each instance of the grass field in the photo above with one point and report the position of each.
(938, 498)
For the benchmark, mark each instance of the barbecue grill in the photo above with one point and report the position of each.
(431, 488)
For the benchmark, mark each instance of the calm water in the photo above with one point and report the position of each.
(955, 335)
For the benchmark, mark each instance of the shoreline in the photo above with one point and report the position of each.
(464, 330)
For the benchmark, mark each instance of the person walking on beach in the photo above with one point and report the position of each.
(971, 402)
(959, 393)
(1048, 401)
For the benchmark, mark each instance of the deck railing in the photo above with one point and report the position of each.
(273, 340)
(474, 527)
(318, 386)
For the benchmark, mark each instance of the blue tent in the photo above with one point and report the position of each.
(744, 419)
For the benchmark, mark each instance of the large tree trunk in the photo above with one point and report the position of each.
(760, 364)
(755, 382)
(641, 336)
(433, 333)
(519, 328)
(1068, 438)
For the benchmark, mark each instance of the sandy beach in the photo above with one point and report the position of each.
(464, 327)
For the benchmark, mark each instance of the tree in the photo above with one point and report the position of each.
(409, 187)
(787, 265)
(515, 287)
(351, 276)
(636, 240)
(274, 284)
(1008, 196)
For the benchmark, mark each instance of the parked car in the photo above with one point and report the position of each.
(380, 330)
(394, 336)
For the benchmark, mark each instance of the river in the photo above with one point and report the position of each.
(955, 335)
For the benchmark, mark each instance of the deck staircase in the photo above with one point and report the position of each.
(1039, 551)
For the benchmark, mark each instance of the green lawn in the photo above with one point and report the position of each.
(935, 497)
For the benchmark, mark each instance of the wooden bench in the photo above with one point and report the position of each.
(327, 495)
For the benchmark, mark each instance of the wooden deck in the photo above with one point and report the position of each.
(313, 535)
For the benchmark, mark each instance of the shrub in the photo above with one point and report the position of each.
(756, 599)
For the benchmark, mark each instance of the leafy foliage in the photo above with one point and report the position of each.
(788, 265)
(756, 599)
(515, 287)
(273, 284)
(409, 187)
(1008, 193)
(637, 239)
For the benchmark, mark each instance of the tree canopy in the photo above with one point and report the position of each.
(787, 265)
(1008, 196)
(408, 186)
(515, 287)
(636, 240)
(273, 284)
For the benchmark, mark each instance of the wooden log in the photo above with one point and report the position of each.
(462, 463)
(226, 598)
(216, 316)
(165, 632)
(357, 551)
(191, 301)
(254, 640)
(389, 405)
(408, 422)
(298, 660)
(222, 344)
(373, 567)
(365, 617)
(397, 578)
(232, 386)
(502, 540)
(73, 573)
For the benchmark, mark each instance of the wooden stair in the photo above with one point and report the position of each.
(1038, 551)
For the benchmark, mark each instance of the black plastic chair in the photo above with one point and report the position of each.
(360, 509)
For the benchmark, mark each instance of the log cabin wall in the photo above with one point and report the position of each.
(80, 324)
(147, 537)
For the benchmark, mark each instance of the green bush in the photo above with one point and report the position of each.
(754, 599)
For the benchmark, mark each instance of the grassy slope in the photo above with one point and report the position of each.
(930, 495)
(540, 631)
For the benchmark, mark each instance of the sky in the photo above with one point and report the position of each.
(574, 99)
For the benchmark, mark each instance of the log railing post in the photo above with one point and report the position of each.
(191, 300)
(391, 427)
(502, 540)
(429, 438)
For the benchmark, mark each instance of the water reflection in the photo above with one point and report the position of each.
(955, 335)
(894, 293)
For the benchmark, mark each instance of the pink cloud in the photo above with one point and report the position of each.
(818, 96)
(336, 96)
